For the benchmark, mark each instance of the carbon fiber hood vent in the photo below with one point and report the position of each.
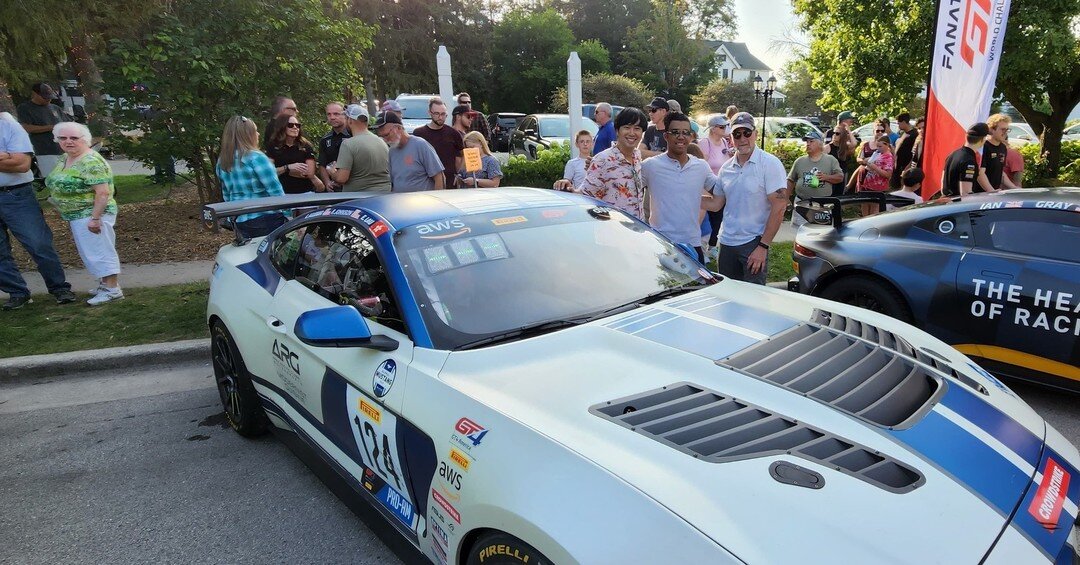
(855, 367)
(718, 428)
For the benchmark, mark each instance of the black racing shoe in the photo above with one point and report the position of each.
(16, 302)
(65, 297)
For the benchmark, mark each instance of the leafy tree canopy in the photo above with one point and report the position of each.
(721, 93)
(618, 90)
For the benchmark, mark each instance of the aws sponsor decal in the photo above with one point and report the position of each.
(384, 378)
(460, 459)
(446, 506)
(468, 434)
(1050, 498)
(1060, 311)
(509, 220)
(445, 229)
(287, 367)
(451, 480)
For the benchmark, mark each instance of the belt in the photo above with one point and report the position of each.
(14, 187)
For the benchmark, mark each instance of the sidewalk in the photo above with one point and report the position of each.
(132, 276)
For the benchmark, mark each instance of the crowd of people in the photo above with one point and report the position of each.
(716, 190)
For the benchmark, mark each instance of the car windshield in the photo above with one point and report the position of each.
(560, 126)
(789, 130)
(415, 108)
(483, 275)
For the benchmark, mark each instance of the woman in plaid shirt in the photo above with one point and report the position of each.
(247, 173)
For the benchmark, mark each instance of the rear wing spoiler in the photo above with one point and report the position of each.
(826, 210)
(224, 213)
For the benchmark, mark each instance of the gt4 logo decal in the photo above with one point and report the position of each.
(470, 429)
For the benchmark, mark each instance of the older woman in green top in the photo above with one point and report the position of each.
(82, 190)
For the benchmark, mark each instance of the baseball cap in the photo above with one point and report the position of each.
(356, 111)
(718, 121)
(658, 103)
(43, 90)
(392, 105)
(742, 120)
(385, 118)
(979, 129)
(813, 134)
(460, 109)
(845, 115)
(674, 106)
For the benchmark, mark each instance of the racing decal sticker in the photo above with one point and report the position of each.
(369, 410)
(946, 226)
(468, 434)
(374, 432)
(445, 505)
(287, 367)
(1050, 497)
(440, 541)
(552, 214)
(1059, 313)
(445, 229)
(379, 228)
(451, 480)
(509, 220)
(460, 459)
(384, 378)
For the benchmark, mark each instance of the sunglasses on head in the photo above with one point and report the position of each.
(741, 133)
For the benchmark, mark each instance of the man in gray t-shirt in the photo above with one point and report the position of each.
(813, 174)
(414, 165)
(362, 163)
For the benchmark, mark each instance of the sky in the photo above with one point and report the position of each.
(760, 23)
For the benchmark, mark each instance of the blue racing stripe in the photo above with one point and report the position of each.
(262, 273)
(991, 420)
(985, 471)
(1050, 541)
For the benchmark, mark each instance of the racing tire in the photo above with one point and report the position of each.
(497, 548)
(243, 410)
(870, 294)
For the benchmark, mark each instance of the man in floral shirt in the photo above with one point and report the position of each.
(615, 173)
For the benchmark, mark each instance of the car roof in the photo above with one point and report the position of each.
(1068, 197)
(405, 209)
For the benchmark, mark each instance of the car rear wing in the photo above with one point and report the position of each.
(221, 214)
(826, 210)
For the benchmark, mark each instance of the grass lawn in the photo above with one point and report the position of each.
(145, 315)
(780, 269)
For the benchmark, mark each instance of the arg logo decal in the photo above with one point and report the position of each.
(285, 357)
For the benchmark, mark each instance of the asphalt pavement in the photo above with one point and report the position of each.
(140, 467)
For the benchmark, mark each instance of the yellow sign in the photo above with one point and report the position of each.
(472, 159)
(459, 458)
(510, 220)
(370, 411)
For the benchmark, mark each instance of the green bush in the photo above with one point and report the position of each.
(541, 173)
(604, 87)
(1036, 166)
(786, 151)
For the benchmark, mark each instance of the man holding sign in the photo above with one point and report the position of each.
(482, 169)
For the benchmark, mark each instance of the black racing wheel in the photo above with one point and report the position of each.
(497, 548)
(243, 410)
(869, 293)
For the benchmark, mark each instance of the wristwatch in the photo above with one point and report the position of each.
(763, 244)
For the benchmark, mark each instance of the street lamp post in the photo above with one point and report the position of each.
(765, 93)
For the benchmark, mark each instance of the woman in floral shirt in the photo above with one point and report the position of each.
(615, 173)
(82, 190)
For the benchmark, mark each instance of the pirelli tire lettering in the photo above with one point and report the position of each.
(498, 548)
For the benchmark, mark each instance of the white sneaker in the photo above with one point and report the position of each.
(98, 290)
(106, 295)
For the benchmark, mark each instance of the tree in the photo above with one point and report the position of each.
(801, 96)
(530, 50)
(665, 57)
(720, 93)
(203, 61)
(603, 87)
(607, 21)
(875, 60)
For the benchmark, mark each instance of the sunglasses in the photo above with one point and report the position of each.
(291, 126)
(739, 134)
(679, 132)
(654, 110)
(879, 131)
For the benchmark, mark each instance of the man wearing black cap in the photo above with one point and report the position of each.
(962, 165)
(414, 165)
(38, 116)
(654, 142)
(447, 141)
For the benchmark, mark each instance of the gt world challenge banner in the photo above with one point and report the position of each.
(968, 38)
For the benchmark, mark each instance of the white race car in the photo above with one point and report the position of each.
(525, 376)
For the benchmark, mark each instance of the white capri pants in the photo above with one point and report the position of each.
(97, 250)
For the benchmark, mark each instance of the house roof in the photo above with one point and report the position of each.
(740, 53)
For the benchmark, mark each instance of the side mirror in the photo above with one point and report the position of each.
(688, 249)
(339, 326)
(529, 133)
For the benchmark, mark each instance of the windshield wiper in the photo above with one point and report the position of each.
(524, 331)
(669, 292)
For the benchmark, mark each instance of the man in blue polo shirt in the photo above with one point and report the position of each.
(605, 137)
(753, 187)
(676, 182)
(21, 215)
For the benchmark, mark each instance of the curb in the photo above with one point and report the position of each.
(36, 367)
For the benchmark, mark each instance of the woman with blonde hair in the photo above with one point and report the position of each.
(490, 173)
(246, 173)
(82, 190)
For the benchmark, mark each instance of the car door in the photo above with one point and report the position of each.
(354, 393)
(1019, 287)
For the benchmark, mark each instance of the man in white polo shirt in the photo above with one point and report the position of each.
(752, 189)
(676, 181)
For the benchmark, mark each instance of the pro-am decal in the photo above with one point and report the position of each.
(1060, 314)
(444, 229)
(375, 432)
(384, 377)
(1050, 498)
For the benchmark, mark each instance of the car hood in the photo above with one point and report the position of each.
(973, 446)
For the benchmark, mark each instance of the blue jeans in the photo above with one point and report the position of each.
(260, 225)
(21, 215)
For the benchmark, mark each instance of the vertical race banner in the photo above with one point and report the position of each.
(968, 38)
